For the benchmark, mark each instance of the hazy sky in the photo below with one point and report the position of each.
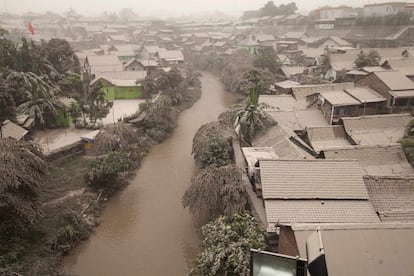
(161, 7)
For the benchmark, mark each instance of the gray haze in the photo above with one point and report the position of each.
(161, 7)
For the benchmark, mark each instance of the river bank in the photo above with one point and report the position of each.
(71, 211)
(144, 229)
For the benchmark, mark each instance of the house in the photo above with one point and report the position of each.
(392, 85)
(249, 44)
(11, 130)
(314, 191)
(375, 130)
(383, 9)
(323, 138)
(376, 161)
(336, 12)
(285, 87)
(341, 63)
(265, 39)
(170, 57)
(336, 104)
(351, 248)
(349, 102)
(392, 197)
(303, 91)
(404, 65)
(292, 71)
(287, 45)
(140, 65)
(96, 65)
(149, 52)
(121, 85)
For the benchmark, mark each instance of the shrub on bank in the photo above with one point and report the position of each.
(105, 171)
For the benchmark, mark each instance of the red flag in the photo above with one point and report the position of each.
(31, 29)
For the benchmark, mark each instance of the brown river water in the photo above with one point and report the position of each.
(144, 229)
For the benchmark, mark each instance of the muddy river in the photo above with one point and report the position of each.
(144, 230)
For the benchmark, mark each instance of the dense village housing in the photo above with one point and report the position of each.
(330, 181)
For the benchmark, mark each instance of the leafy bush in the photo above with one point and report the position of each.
(226, 246)
(104, 171)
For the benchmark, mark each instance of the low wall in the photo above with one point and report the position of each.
(65, 152)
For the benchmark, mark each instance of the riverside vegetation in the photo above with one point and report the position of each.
(48, 208)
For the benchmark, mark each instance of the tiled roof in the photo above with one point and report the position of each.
(322, 138)
(376, 129)
(312, 179)
(278, 138)
(319, 211)
(392, 197)
(375, 160)
(11, 130)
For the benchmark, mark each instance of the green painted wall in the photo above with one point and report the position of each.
(114, 92)
(62, 120)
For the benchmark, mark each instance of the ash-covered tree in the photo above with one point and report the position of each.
(226, 246)
(372, 58)
(212, 145)
(217, 191)
(408, 142)
(255, 77)
(234, 66)
(267, 59)
(105, 172)
(7, 104)
(61, 56)
(21, 168)
(252, 118)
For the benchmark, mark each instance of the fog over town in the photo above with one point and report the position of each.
(161, 8)
(195, 137)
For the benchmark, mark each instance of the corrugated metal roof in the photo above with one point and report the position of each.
(392, 197)
(403, 94)
(363, 249)
(312, 179)
(11, 130)
(339, 98)
(365, 95)
(395, 80)
(317, 211)
(302, 91)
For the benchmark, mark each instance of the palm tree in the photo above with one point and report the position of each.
(40, 98)
(252, 118)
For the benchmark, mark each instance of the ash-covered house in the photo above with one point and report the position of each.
(314, 191)
(170, 57)
(121, 85)
(349, 102)
(397, 88)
